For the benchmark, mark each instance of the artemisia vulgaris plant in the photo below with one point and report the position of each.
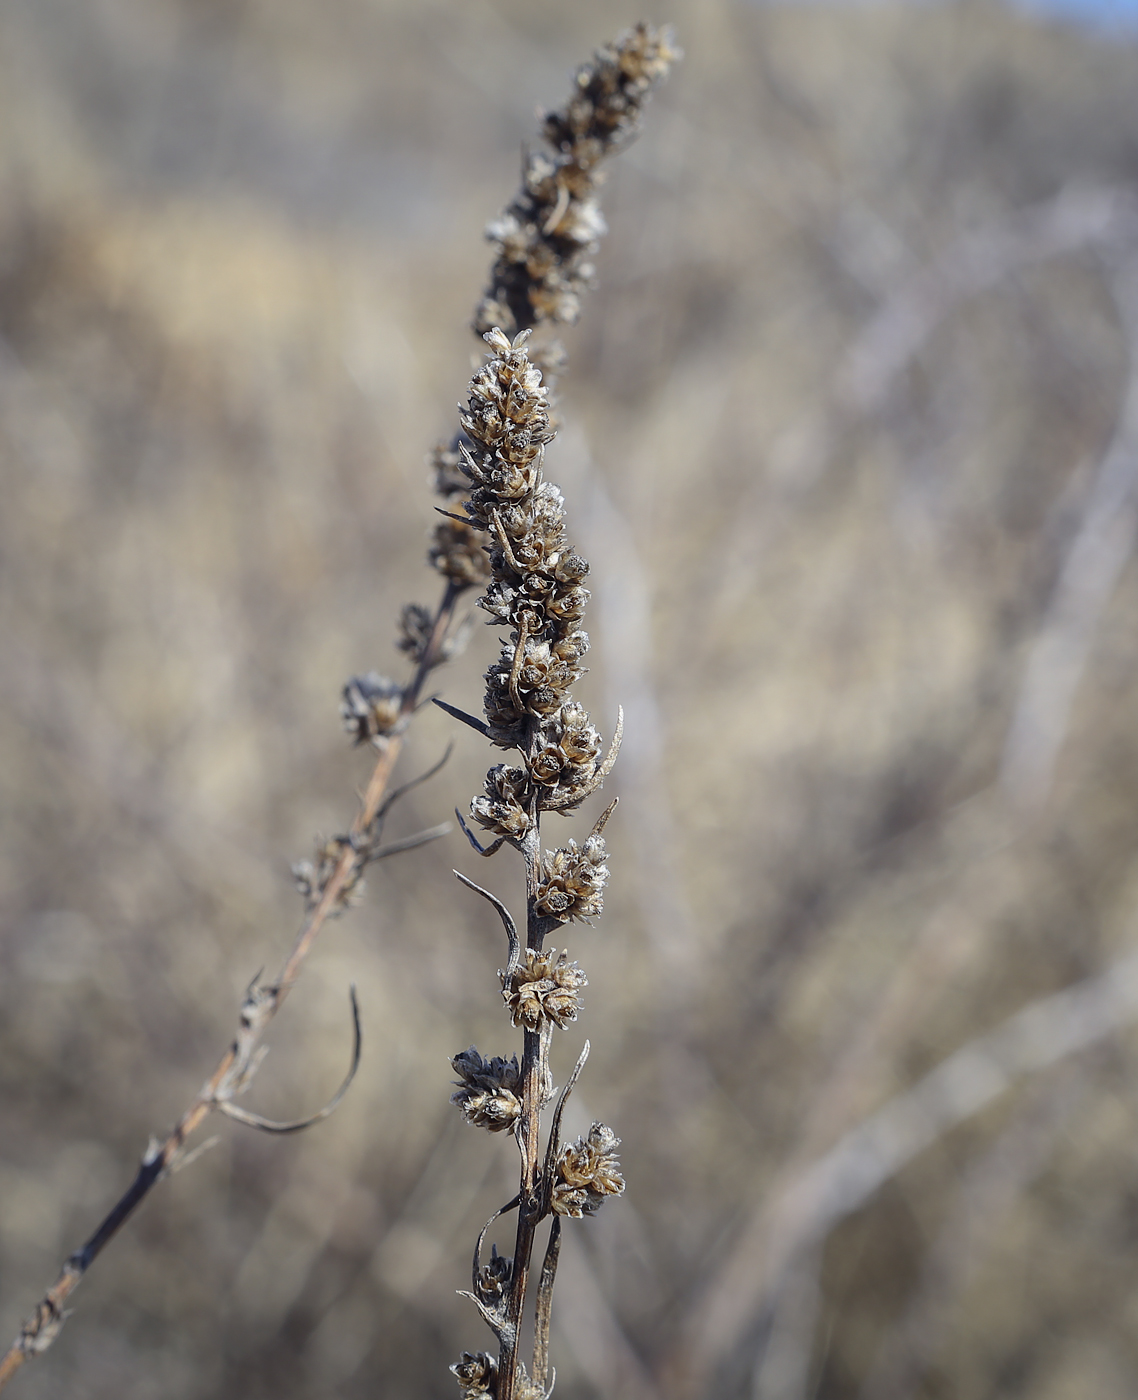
(536, 593)
(503, 533)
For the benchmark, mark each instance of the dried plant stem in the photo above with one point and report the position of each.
(237, 1066)
(531, 1204)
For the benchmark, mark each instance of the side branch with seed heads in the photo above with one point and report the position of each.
(375, 711)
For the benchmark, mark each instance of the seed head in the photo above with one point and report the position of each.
(494, 1277)
(544, 990)
(458, 552)
(501, 810)
(486, 1090)
(311, 877)
(572, 880)
(370, 706)
(587, 1172)
(477, 1374)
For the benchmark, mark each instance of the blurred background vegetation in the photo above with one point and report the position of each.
(852, 444)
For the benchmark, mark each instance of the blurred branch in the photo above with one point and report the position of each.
(1080, 218)
(1077, 218)
(989, 1189)
(1042, 1034)
(782, 1371)
(262, 1001)
(1098, 553)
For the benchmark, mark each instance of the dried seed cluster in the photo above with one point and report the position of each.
(544, 241)
(573, 880)
(587, 1172)
(506, 527)
(544, 988)
(476, 1373)
(536, 591)
(487, 1089)
(494, 1277)
(311, 877)
(371, 706)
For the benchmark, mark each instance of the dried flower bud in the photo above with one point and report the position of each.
(544, 990)
(501, 810)
(587, 1172)
(494, 1277)
(311, 877)
(573, 880)
(477, 1374)
(568, 604)
(458, 552)
(486, 1090)
(450, 479)
(415, 626)
(579, 742)
(370, 706)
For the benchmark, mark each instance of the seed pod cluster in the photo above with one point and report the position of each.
(544, 988)
(486, 1092)
(545, 240)
(457, 547)
(572, 880)
(476, 1373)
(371, 706)
(536, 590)
(587, 1172)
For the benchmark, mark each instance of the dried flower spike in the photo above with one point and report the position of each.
(546, 238)
(492, 476)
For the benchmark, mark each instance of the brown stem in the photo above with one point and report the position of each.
(261, 1004)
(531, 1205)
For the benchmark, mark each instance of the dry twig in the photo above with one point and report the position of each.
(342, 862)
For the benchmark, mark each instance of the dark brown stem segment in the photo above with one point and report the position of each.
(261, 1004)
(531, 1206)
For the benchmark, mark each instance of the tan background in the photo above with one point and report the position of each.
(838, 432)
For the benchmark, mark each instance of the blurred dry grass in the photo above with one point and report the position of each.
(238, 242)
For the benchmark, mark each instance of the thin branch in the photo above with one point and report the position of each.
(255, 1120)
(482, 850)
(1042, 1034)
(545, 1304)
(410, 843)
(261, 1004)
(1095, 560)
(456, 713)
(507, 920)
(553, 1146)
(394, 796)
